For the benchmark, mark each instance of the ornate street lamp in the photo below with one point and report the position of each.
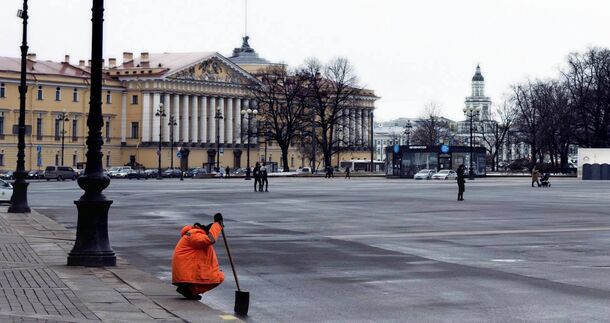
(161, 114)
(19, 199)
(249, 113)
(218, 116)
(471, 112)
(92, 247)
(408, 128)
(172, 123)
(63, 117)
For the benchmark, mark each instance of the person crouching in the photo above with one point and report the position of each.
(195, 267)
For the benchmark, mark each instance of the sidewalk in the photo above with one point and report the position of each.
(37, 286)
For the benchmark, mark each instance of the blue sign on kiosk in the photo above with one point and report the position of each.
(444, 149)
(396, 148)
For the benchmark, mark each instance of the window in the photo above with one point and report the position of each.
(39, 127)
(2, 91)
(75, 95)
(58, 94)
(39, 94)
(2, 159)
(108, 97)
(74, 129)
(74, 160)
(58, 128)
(108, 160)
(134, 99)
(135, 130)
(1, 123)
(56, 159)
(107, 126)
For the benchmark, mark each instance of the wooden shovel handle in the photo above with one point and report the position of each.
(230, 259)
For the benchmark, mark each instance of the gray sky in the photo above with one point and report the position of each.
(409, 52)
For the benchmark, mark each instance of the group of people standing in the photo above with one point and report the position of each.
(260, 178)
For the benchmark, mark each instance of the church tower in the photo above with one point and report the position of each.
(477, 97)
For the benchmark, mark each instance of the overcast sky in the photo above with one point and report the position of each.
(409, 52)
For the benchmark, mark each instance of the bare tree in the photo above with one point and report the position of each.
(495, 131)
(431, 127)
(281, 105)
(331, 89)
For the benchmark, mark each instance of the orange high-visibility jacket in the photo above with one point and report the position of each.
(194, 259)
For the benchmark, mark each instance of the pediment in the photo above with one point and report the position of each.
(214, 69)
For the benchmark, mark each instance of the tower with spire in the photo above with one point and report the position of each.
(477, 96)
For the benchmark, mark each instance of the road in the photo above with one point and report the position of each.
(377, 250)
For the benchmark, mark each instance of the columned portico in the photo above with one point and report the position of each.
(194, 119)
(203, 128)
(176, 113)
(211, 121)
(156, 121)
(229, 121)
(221, 105)
(165, 99)
(237, 116)
(146, 113)
(185, 118)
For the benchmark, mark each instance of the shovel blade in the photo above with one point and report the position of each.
(242, 302)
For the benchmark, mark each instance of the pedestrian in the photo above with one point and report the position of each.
(256, 173)
(535, 176)
(195, 267)
(347, 173)
(228, 171)
(332, 172)
(264, 180)
(461, 181)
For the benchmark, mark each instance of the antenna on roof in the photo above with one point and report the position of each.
(246, 18)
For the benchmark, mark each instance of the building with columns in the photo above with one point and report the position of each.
(191, 89)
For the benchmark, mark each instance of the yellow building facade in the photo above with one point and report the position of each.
(172, 98)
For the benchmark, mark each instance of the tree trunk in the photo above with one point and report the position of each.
(285, 158)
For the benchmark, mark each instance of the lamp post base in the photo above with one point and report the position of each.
(19, 200)
(248, 178)
(471, 175)
(92, 247)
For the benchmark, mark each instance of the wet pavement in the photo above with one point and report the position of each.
(377, 250)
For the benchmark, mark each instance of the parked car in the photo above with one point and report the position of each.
(305, 170)
(35, 174)
(193, 172)
(137, 174)
(6, 191)
(151, 173)
(79, 172)
(60, 173)
(424, 174)
(171, 172)
(7, 175)
(445, 174)
(118, 171)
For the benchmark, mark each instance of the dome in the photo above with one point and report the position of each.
(478, 76)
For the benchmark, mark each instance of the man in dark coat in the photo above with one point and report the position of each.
(461, 181)
(256, 173)
(264, 182)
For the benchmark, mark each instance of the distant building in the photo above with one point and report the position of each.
(387, 133)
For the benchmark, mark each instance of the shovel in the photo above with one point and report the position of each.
(242, 299)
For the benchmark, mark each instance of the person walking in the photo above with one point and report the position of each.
(461, 181)
(332, 171)
(535, 176)
(327, 173)
(347, 173)
(264, 180)
(256, 173)
(195, 268)
(228, 172)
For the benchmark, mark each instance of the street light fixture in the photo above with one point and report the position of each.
(172, 123)
(249, 113)
(161, 114)
(218, 116)
(471, 112)
(408, 128)
(63, 117)
(19, 199)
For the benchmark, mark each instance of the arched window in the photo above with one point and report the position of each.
(58, 94)
(39, 94)
(2, 91)
(75, 95)
(108, 97)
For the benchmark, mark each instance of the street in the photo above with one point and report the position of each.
(374, 249)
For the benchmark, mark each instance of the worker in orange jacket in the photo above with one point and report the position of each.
(195, 267)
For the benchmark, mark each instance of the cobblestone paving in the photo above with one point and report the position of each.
(29, 292)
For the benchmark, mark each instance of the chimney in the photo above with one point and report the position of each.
(127, 57)
(112, 62)
(67, 59)
(32, 56)
(144, 57)
(81, 63)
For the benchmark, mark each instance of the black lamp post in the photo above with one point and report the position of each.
(92, 247)
(471, 113)
(161, 114)
(218, 116)
(372, 145)
(64, 118)
(408, 128)
(19, 199)
(249, 113)
(172, 123)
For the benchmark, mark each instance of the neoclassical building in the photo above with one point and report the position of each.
(191, 100)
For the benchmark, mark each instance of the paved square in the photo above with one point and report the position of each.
(377, 250)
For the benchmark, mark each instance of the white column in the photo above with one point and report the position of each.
(203, 128)
(185, 118)
(123, 117)
(146, 114)
(365, 127)
(195, 119)
(212, 121)
(352, 127)
(156, 122)
(221, 105)
(346, 132)
(176, 114)
(229, 120)
(237, 117)
(246, 106)
(166, 106)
